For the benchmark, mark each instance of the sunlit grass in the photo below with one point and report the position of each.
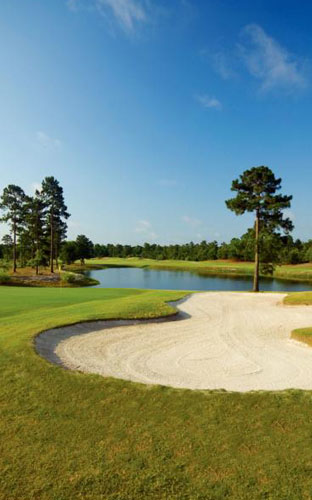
(67, 435)
(299, 298)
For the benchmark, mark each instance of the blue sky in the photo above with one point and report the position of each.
(145, 110)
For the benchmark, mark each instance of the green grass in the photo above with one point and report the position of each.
(301, 298)
(300, 272)
(209, 266)
(303, 335)
(67, 435)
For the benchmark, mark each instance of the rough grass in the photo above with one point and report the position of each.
(303, 335)
(67, 435)
(301, 298)
(300, 272)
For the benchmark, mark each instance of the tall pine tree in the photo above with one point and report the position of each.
(12, 204)
(256, 192)
(35, 214)
(56, 215)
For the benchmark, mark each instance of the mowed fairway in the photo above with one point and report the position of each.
(68, 435)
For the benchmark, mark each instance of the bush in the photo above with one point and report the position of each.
(4, 277)
(4, 265)
(72, 278)
(267, 268)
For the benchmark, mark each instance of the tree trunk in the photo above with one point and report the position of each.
(257, 260)
(37, 242)
(14, 247)
(56, 252)
(51, 242)
(36, 257)
(21, 259)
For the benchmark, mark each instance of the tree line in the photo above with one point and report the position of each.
(274, 248)
(37, 224)
(38, 228)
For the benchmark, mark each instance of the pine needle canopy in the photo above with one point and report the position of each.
(256, 192)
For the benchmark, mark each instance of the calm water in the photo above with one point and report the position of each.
(127, 277)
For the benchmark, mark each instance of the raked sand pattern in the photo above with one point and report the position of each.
(220, 340)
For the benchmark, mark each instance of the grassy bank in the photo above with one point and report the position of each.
(67, 435)
(26, 277)
(298, 298)
(300, 272)
(302, 298)
(303, 335)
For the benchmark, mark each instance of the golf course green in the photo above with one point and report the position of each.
(67, 435)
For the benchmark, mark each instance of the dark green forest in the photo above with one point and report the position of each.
(274, 248)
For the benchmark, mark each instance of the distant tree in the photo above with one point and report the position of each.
(294, 256)
(223, 251)
(12, 204)
(69, 252)
(212, 250)
(100, 250)
(256, 192)
(52, 194)
(308, 254)
(85, 248)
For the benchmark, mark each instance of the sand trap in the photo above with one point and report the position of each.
(233, 341)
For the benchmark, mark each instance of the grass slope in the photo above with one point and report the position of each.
(305, 298)
(26, 277)
(290, 272)
(67, 435)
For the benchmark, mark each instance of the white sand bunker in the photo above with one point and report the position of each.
(233, 341)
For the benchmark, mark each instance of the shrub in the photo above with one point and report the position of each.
(4, 265)
(73, 278)
(4, 277)
(267, 268)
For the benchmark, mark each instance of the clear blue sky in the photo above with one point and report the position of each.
(145, 110)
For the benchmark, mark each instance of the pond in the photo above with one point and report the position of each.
(132, 277)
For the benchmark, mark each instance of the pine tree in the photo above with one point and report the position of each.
(256, 192)
(52, 194)
(35, 222)
(7, 242)
(12, 204)
(84, 248)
